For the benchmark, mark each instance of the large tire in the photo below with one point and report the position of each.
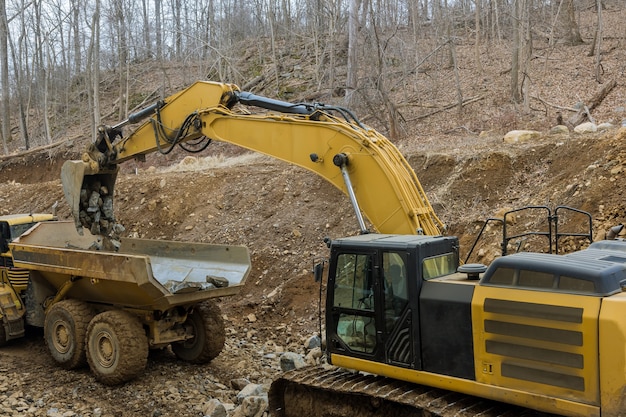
(65, 327)
(117, 347)
(207, 326)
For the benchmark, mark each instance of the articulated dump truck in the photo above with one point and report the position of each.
(108, 309)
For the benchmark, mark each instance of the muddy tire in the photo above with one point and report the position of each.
(65, 327)
(117, 347)
(207, 326)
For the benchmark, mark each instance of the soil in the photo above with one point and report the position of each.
(283, 213)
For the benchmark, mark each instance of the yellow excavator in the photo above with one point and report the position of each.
(410, 331)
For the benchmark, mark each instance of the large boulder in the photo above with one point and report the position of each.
(519, 136)
(586, 127)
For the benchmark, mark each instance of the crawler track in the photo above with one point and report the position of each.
(323, 392)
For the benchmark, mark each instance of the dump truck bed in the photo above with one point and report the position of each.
(143, 274)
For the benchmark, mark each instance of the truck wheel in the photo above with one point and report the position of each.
(65, 327)
(117, 347)
(207, 327)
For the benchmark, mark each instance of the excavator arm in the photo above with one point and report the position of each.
(326, 140)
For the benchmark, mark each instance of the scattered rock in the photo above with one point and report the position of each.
(214, 408)
(586, 127)
(559, 129)
(250, 390)
(254, 406)
(291, 360)
(313, 342)
(239, 383)
(518, 136)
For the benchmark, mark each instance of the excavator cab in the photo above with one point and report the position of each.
(374, 309)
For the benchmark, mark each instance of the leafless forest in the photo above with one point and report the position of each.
(68, 63)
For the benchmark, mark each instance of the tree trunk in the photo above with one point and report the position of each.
(147, 39)
(157, 29)
(515, 51)
(76, 33)
(122, 57)
(18, 74)
(479, 65)
(567, 31)
(4, 70)
(352, 75)
(178, 31)
(598, 44)
(527, 51)
(93, 68)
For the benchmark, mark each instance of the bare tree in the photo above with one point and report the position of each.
(93, 68)
(477, 14)
(515, 50)
(75, 7)
(566, 27)
(119, 14)
(352, 74)
(177, 28)
(18, 56)
(596, 45)
(158, 29)
(147, 32)
(4, 77)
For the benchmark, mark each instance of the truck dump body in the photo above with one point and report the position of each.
(143, 274)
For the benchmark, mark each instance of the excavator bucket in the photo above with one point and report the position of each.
(88, 191)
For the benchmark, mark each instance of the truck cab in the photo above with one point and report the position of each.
(14, 281)
(12, 226)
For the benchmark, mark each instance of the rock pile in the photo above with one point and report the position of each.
(96, 213)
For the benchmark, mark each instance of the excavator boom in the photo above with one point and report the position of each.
(326, 140)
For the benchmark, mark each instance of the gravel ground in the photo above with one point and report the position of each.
(233, 384)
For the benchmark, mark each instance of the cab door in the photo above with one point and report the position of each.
(351, 309)
(368, 313)
(397, 330)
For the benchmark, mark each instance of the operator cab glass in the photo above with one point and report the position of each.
(373, 294)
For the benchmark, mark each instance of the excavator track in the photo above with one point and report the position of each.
(333, 392)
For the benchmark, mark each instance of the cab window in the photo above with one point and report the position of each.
(439, 266)
(353, 283)
(396, 291)
(354, 291)
(18, 229)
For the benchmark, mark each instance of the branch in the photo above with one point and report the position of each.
(585, 111)
(447, 107)
(556, 106)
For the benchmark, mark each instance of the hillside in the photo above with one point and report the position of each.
(282, 213)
